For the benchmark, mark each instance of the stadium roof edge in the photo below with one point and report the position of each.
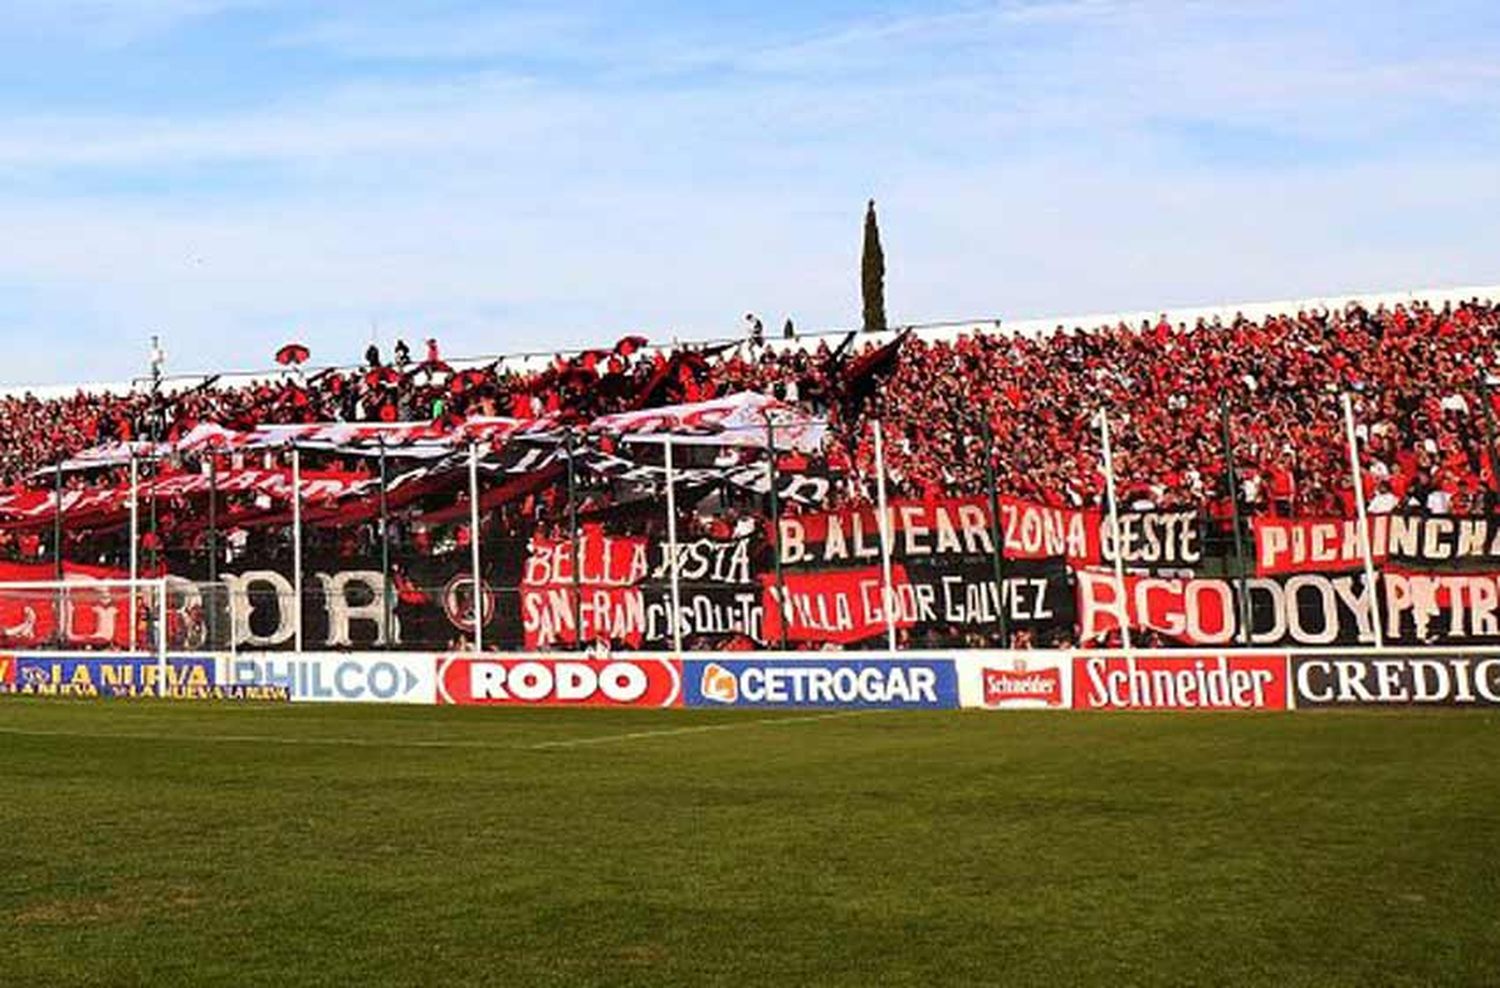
(1032, 326)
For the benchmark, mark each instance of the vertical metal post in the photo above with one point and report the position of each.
(388, 633)
(297, 547)
(1489, 435)
(1114, 525)
(888, 592)
(478, 595)
(672, 542)
(57, 548)
(135, 532)
(573, 541)
(151, 502)
(161, 636)
(997, 535)
(776, 530)
(1243, 595)
(213, 547)
(1357, 474)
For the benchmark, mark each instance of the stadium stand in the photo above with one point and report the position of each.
(1270, 379)
(1416, 366)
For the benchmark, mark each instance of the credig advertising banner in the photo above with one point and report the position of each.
(1396, 679)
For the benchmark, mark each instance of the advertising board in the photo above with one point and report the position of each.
(1396, 679)
(335, 677)
(1212, 681)
(895, 683)
(542, 681)
(114, 675)
(1015, 681)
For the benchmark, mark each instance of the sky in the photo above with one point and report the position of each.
(236, 174)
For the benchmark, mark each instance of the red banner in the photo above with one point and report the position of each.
(840, 606)
(510, 681)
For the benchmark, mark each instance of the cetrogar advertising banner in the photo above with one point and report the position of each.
(820, 682)
(540, 681)
(1015, 681)
(111, 675)
(1399, 679)
(1193, 682)
(337, 676)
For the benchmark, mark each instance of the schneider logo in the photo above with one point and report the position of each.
(1020, 685)
(719, 684)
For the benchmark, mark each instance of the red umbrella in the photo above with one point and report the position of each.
(629, 345)
(292, 353)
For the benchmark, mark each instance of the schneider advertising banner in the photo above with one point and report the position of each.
(1015, 681)
(1226, 681)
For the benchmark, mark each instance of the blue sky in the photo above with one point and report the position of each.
(237, 173)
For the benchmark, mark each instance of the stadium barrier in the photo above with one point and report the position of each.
(984, 680)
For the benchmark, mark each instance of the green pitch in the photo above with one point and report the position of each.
(162, 844)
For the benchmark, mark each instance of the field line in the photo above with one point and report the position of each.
(256, 739)
(337, 742)
(669, 732)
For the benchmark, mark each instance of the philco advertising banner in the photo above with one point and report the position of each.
(1194, 682)
(338, 677)
(568, 682)
(1450, 679)
(1015, 681)
(821, 682)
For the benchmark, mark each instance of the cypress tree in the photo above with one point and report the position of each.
(872, 273)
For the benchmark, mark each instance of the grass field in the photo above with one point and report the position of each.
(150, 843)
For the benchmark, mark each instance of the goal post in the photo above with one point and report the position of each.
(119, 617)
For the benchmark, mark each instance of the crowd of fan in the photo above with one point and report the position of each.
(1171, 392)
